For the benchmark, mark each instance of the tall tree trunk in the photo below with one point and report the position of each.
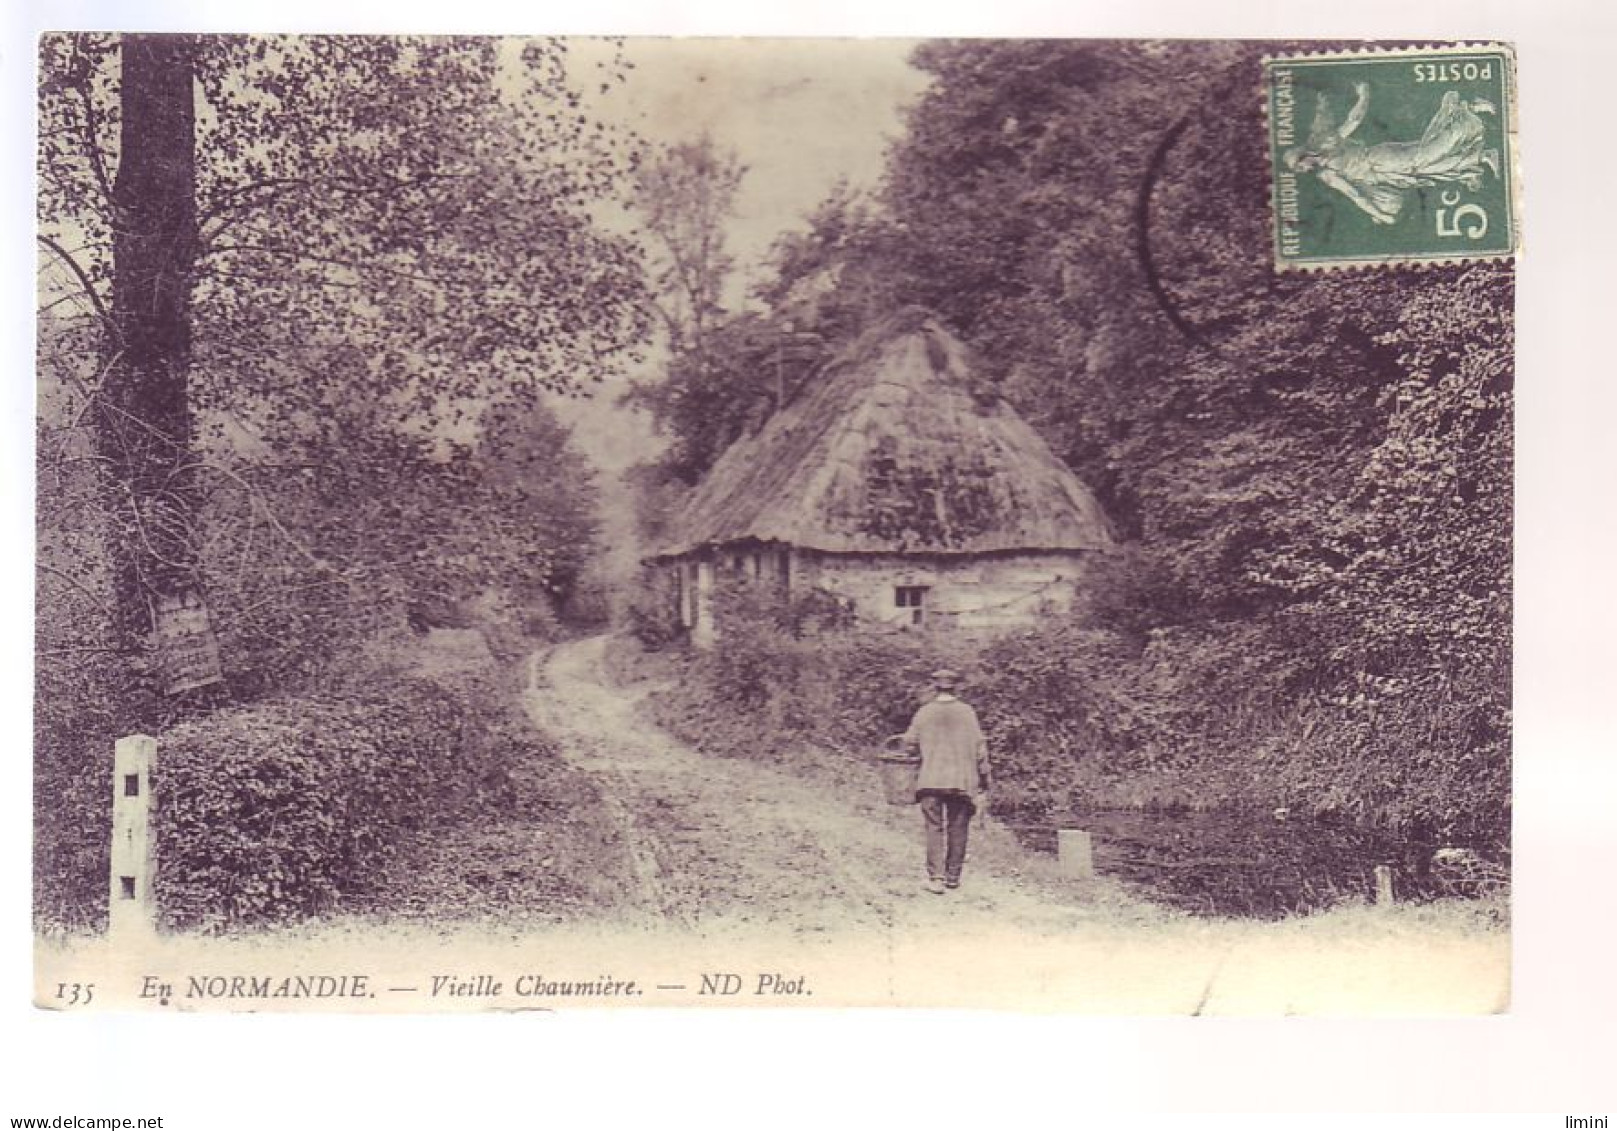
(144, 426)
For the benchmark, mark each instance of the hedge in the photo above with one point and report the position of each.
(271, 811)
(1082, 717)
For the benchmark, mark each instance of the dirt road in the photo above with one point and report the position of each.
(803, 866)
(728, 882)
(722, 840)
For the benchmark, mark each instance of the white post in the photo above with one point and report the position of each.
(1384, 894)
(131, 908)
(1075, 853)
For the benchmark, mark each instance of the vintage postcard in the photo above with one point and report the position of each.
(552, 524)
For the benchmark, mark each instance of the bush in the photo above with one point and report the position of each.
(1200, 716)
(588, 603)
(785, 673)
(272, 811)
(1061, 704)
(654, 610)
(505, 623)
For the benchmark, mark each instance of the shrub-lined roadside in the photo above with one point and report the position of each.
(273, 810)
(1080, 717)
(412, 786)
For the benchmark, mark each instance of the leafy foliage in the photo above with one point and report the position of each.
(654, 610)
(276, 810)
(828, 282)
(395, 255)
(685, 193)
(706, 401)
(786, 673)
(1313, 472)
(407, 215)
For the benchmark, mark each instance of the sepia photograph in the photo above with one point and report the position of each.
(586, 523)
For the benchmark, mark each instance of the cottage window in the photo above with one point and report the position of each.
(913, 598)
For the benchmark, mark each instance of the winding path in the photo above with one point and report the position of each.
(802, 858)
(723, 839)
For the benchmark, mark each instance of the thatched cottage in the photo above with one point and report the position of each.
(898, 485)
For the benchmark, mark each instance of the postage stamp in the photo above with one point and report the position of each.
(1392, 157)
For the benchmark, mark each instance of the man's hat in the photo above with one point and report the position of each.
(945, 679)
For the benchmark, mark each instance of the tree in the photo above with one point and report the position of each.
(141, 407)
(1312, 471)
(1073, 209)
(685, 194)
(823, 285)
(276, 359)
(405, 216)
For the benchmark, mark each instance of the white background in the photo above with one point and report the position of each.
(1554, 1053)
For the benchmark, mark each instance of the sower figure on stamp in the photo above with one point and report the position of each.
(953, 780)
(1377, 178)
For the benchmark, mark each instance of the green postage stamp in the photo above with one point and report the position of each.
(1399, 156)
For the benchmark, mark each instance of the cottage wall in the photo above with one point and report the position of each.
(893, 591)
(991, 591)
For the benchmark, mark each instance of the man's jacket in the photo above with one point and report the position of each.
(953, 753)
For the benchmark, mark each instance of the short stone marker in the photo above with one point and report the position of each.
(1075, 853)
(1384, 893)
(131, 909)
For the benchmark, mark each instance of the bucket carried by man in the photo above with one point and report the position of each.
(900, 768)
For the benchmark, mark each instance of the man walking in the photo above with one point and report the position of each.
(954, 774)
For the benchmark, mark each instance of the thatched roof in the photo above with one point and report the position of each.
(891, 450)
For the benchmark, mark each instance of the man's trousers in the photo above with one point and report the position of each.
(947, 815)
